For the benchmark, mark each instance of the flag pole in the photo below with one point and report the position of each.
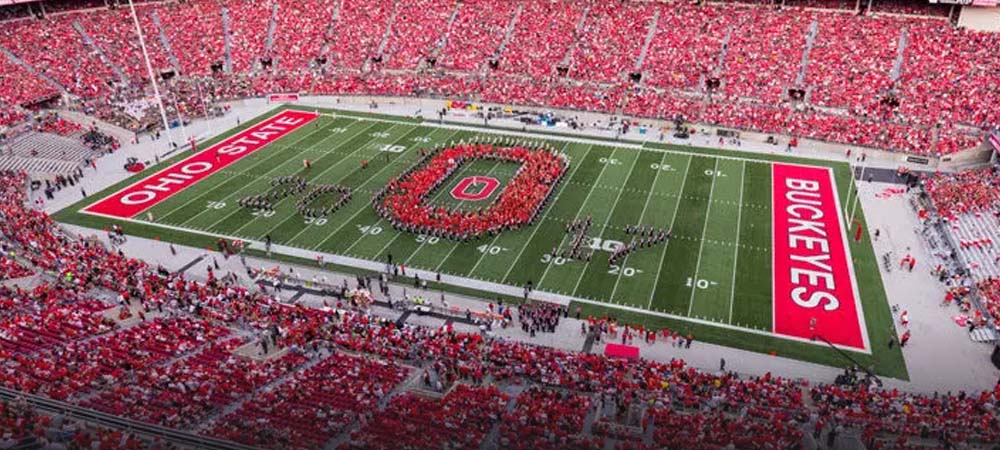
(152, 78)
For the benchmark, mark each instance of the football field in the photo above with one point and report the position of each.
(715, 276)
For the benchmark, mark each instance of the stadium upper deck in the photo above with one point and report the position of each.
(910, 83)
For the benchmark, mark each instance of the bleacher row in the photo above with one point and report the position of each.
(49, 146)
(574, 54)
(977, 235)
(38, 166)
(44, 153)
(969, 202)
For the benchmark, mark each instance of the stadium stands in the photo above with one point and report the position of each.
(853, 69)
(64, 56)
(464, 417)
(476, 34)
(248, 31)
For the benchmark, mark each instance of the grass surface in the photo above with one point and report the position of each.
(716, 268)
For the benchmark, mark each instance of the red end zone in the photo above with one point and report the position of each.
(814, 287)
(155, 188)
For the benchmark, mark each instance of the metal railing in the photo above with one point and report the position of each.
(181, 438)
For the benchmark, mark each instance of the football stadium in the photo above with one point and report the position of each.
(553, 224)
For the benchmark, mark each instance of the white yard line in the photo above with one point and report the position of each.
(293, 238)
(262, 161)
(704, 229)
(663, 255)
(606, 222)
(641, 217)
(540, 219)
(736, 256)
(351, 219)
(575, 217)
(379, 221)
(316, 177)
(542, 135)
(270, 171)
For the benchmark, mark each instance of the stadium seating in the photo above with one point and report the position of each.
(314, 406)
(765, 53)
(359, 32)
(971, 191)
(543, 35)
(547, 420)
(248, 28)
(64, 56)
(301, 32)
(610, 42)
(853, 77)
(18, 86)
(415, 32)
(686, 47)
(463, 417)
(476, 34)
(10, 116)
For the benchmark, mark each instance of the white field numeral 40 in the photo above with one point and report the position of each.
(371, 230)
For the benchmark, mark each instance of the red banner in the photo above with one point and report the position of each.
(283, 98)
(815, 294)
(155, 188)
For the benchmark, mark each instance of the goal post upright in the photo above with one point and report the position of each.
(152, 77)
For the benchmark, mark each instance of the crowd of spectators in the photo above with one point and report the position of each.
(969, 191)
(565, 54)
(177, 368)
(609, 42)
(686, 46)
(55, 49)
(547, 419)
(765, 55)
(20, 87)
(248, 26)
(53, 123)
(463, 417)
(415, 33)
(314, 406)
(359, 32)
(989, 291)
(21, 426)
(543, 35)
(301, 32)
(196, 51)
(9, 116)
(10, 268)
(476, 34)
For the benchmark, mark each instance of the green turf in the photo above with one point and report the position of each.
(715, 269)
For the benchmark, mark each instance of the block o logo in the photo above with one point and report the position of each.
(475, 188)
